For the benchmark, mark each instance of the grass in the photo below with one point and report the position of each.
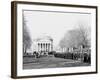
(50, 62)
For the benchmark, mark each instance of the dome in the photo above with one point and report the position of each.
(44, 37)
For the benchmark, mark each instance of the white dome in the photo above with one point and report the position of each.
(44, 36)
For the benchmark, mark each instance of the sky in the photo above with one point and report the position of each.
(54, 24)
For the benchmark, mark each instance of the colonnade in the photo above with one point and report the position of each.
(44, 47)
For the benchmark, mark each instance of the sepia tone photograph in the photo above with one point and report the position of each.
(56, 39)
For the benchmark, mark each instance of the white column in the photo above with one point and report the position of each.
(50, 47)
(38, 47)
(43, 46)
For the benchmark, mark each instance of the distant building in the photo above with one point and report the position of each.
(60, 50)
(43, 45)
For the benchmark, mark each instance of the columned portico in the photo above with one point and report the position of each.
(43, 45)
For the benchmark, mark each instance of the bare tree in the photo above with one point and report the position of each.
(76, 37)
(26, 36)
(85, 36)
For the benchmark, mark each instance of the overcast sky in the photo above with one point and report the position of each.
(54, 24)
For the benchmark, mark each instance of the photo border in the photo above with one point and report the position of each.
(14, 37)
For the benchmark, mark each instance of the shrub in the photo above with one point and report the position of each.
(64, 55)
(51, 53)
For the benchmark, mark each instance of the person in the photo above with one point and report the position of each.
(37, 55)
(34, 53)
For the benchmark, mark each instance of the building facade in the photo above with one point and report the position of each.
(43, 45)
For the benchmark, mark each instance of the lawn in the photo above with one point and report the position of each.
(50, 62)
